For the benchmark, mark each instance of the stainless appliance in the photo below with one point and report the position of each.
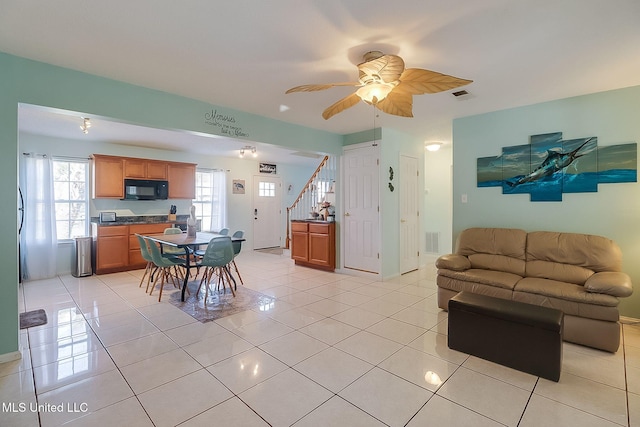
(145, 189)
(107, 217)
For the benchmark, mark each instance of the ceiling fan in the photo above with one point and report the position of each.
(385, 83)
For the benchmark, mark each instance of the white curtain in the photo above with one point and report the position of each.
(38, 240)
(219, 201)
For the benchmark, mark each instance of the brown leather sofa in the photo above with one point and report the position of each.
(576, 273)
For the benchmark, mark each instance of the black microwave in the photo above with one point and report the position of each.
(145, 189)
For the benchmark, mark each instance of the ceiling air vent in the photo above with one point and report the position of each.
(462, 95)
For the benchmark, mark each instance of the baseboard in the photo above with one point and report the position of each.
(10, 357)
(629, 320)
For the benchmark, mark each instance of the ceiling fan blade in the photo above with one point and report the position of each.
(313, 88)
(418, 81)
(397, 104)
(340, 106)
(388, 67)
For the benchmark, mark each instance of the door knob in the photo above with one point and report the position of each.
(347, 214)
(403, 220)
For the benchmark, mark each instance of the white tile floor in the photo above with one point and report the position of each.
(333, 350)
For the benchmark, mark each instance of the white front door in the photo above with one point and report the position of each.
(267, 212)
(361, 209)
(409, 214)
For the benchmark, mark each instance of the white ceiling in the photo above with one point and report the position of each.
(245, 54)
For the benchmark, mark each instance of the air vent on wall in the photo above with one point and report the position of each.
(433, 242)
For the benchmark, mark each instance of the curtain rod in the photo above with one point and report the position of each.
(55, 157)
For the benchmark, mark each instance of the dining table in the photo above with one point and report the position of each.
(190, 244)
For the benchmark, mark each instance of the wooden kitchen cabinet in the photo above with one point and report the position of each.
(144, 169)
(182, 180)
(135, 256)
(111, 248)
(313, 244)
(300, 241)
(108, 175)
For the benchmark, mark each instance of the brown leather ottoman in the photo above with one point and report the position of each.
(522, 336)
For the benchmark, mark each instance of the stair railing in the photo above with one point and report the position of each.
(307, 200)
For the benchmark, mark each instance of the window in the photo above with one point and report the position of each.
(70, 182)
(211, 199)
(266, 189)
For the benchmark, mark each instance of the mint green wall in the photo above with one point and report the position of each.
(437, 196)
(26, 81)
(612, 212)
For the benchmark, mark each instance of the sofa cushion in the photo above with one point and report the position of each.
(594, 253)
(453, 262)
(497, 263)
(565, 291)
(498, 279)
(503, 242)
(570, 308)
(557, 271)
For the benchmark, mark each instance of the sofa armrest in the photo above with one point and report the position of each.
(453, 262)
(610, 282)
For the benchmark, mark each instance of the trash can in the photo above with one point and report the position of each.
(82, 257)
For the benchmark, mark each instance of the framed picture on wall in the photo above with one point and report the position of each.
(268, 168)
(238, 186)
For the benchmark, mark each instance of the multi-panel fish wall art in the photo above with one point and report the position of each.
(550, 166)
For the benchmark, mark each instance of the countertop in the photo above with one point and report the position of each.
(142, 219)
(316, 221)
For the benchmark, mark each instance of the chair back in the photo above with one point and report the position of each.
(170, 249)
(156, 255)
(237, 246)
(224, 231)
(144, 249)
(172, 230)
(219, 252)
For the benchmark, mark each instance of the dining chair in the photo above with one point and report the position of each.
(224, 232)
(216, 259)
(150, 268)
(165, 264)
(172, 250)
(237, 247)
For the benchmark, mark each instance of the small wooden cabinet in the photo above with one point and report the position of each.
(313, 244)
(111, 248)
(182, 180)
(108, 175)
(144, 169)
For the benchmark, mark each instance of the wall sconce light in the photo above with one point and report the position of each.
(86, 124)
(433, 146)
(248, 148)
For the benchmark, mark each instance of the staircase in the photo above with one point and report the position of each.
(319, 188)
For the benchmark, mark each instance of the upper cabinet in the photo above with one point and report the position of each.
(144, 169)
(109, 173)
(182, 180)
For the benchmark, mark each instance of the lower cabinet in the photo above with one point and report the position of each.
(116, 247)
(111, 248)
(313, 244)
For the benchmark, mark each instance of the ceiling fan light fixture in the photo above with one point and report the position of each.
(374, 92)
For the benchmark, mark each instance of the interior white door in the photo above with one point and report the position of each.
(409, 214)
(361, 209)
(267, 212)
